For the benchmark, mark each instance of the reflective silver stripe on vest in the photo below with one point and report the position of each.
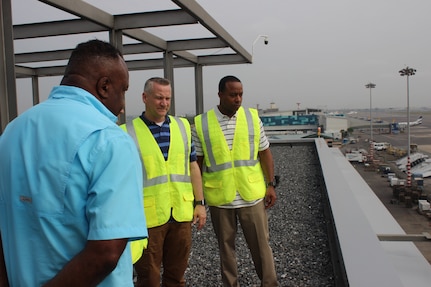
(156, 180)
(223, 166)
(186, 146)
(213, 166)
(132, 133)
(179, 178)
(161, 179)
(207, 140)
(250, 125)
(147, 182)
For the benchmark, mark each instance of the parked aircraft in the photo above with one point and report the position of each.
(403, 125)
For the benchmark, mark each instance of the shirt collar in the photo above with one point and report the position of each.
(221, 116)
(148, 122)
(81, 95)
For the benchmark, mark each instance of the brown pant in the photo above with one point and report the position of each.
(169, 245)
(254, 223)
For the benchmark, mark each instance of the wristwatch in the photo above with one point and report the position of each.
(200, 202)
(274, 183)
(271, 183)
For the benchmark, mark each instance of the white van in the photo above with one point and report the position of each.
(380, 146)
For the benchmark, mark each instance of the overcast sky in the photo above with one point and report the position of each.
(321, 53)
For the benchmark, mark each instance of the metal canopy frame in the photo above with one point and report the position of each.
(178, 53)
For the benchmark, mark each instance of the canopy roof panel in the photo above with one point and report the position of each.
(182, 27)
(37, 38)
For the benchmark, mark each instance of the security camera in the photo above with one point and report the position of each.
(265, 41)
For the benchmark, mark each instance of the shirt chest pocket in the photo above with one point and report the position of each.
(45, 202)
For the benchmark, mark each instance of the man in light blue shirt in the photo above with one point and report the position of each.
(71, 181)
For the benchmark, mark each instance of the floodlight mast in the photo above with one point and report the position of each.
(371, 86)
(407, 71)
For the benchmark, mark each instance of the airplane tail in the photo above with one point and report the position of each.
(419, 120)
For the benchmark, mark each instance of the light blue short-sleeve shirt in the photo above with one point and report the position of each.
(68, 174)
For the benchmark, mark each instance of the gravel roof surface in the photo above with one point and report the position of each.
(298, 235)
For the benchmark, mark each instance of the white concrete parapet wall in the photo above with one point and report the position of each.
(359, 217)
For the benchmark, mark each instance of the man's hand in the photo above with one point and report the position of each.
(270, 197)
(200, 216)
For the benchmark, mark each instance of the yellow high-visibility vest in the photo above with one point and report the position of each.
(167, 184)
(227, 171)
(137, 248)
(182, 197)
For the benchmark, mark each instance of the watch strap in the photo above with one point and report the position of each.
(200, 202)
(271, 183)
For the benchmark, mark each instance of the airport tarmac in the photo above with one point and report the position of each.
(419, 134)
(408, 217)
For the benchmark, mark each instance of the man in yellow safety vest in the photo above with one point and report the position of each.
(238, 178)
(173, 197)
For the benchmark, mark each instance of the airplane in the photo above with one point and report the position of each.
(403, 125)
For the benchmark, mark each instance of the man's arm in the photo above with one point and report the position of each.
(267, 164)
(200, 162)
(3, 274)
(200, 214)
(96, 261)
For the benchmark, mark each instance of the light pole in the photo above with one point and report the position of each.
(408, 72)
(265, 41)
(371, 86)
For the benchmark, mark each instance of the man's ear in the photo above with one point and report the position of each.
(102, 87)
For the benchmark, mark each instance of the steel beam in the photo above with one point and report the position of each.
(24, 72)
(84, 10)
(212, 25)
(168, 69)
(42, 56)
(214, 60)
(153, 19)
(199, 90)
(196, 44)
(56, 28)
(176, 53)
(8, 101)
(35, 90)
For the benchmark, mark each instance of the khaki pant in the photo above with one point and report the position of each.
(169, 245)
(254, 223)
